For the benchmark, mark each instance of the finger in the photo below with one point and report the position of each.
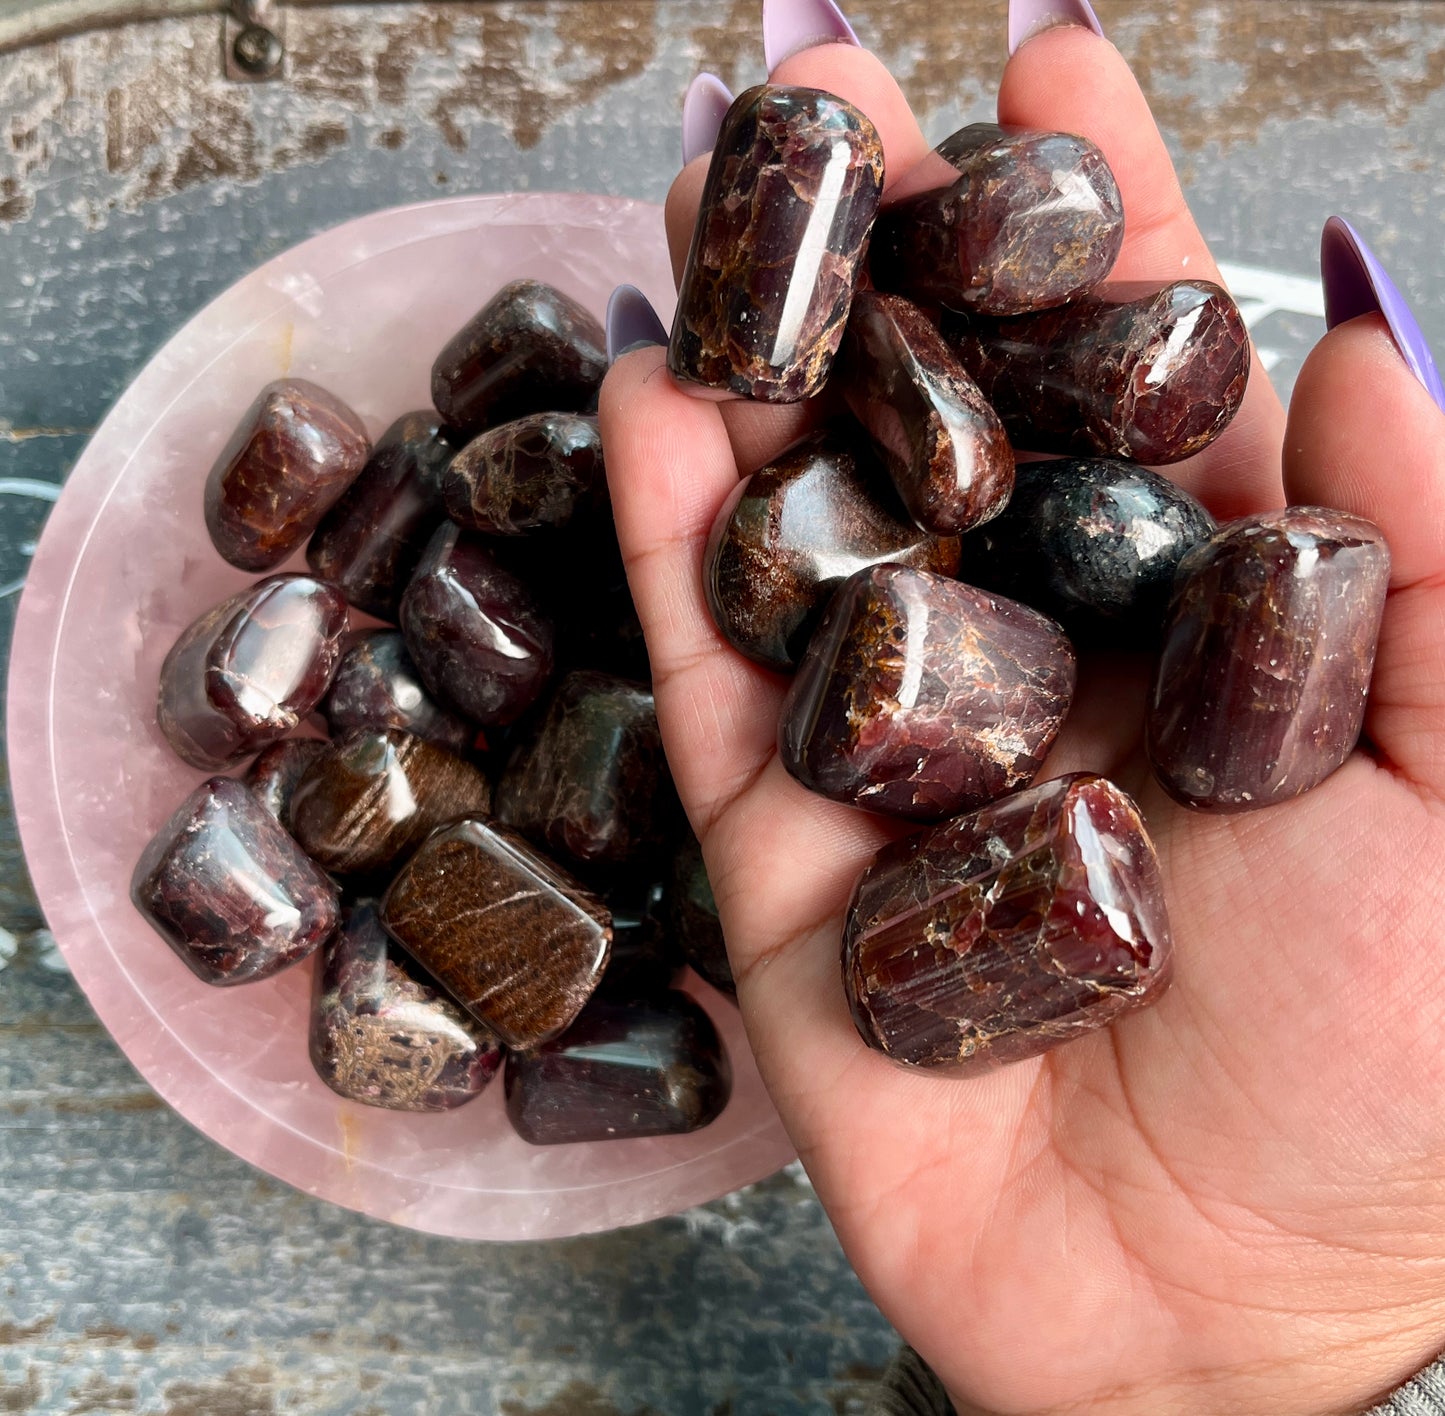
(1364, 436)
(1068, 79)
(758, 431)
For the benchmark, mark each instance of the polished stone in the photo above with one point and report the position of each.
(1270, 643)
(692, 918)
(294, 453)
(509, 934)
(476, 633)
(372, 797)
(794, 531)
(653, 1068)
(377, 686)
(542, 471)
(1152, 377)
(224, 885)
(248, 671)
(529, 349)
(383, 1035)
(369, 543)
(778, 247)
(922, 697)
(1017, 221)
(1091, 542)
(1009, 931)
(942, 444)
(275, 772)
(591, 783)
(645, 953)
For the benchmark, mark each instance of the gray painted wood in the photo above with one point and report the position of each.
(142, 1268)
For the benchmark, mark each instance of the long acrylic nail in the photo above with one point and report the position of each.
(790, 26)
(632, 323)
(703, 108)
(1028, 17)
(1355, 283)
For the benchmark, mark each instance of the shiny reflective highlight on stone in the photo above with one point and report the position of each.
(369, 543)
(248, 671)
(592, 782)
(384, 1036)
(1093, 543)
(274, 774)
(371, 798)
(475, 632)
(778, 248)
(1270, 643)
(691, 914)
(294, 453)
(224, 885)
(1007, 932)
(1027, 221)
(794, 531)
(513, 938)
(545, 470)
(654, 1068)
(944, 447)
(921, 697)
(377, 686)
(529, 349)
(1154, 378)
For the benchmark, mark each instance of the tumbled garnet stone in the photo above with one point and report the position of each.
(922, 697)
(647, 1068)
(513, 938)
(294, 453)
(529, 349)
(369, 543)
(1025, 221)
(383, 1035)
(691, 914)
(1152, 377)
(778, 247)
(248, 671)
(277, 769)
(591, 782)
(794, 531)
(944, 447)
(1261, 684)
(1009, 931)
(229, 890)
(372, 797)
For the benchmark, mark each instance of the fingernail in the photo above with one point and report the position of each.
(703, 108)
(631, 323)
(790, 26)
(1355, 283)
(1027, 17)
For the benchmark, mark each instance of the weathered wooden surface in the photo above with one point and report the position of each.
(141, 1268)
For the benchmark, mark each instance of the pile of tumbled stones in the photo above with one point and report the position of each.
(486, 851)
(927, 594)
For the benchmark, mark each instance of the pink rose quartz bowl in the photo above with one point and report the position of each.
(125, 563)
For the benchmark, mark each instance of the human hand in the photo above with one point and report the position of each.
(1234, 1201)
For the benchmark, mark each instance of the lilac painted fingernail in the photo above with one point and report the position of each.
(631, 323)
(703, 108)
(1027, 17)
(790, 26)
(1356, 283)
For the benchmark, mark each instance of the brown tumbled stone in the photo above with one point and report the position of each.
(294, 453)
(513, 938)
(1026, 221)
(923, 698)
(778, 246)
(1151, 377)
(944, 447)
(794, 531)
(1268, 650)
(1009, 931)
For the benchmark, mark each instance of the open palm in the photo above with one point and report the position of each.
(1234, 1201)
